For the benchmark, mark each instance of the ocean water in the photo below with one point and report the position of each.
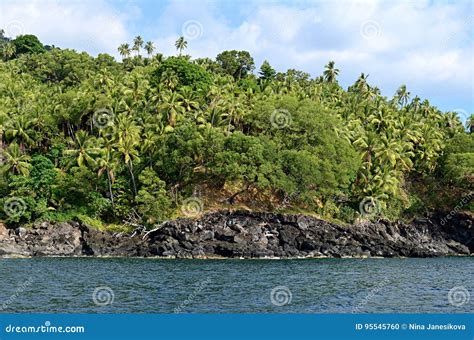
(93, 285)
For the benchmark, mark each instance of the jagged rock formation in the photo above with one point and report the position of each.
(249, 235)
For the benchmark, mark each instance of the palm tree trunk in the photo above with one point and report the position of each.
(110, 189)
(130, 168)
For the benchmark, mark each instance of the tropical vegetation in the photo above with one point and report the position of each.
(132, 141)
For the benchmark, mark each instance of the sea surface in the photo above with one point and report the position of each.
(95, 285)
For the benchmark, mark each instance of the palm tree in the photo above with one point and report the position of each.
(189, 98)
(137, 44)
(367, 143)
(149, 143)
(330, 72)
(8, 51)
(128, 137)
(86, 149)
(415, 103)
(452, 120)
(3, 118)
(470, 123)
(395, 152)
(361, 84)
(181, 44)
(149, 48)
(234, 112)
(107, 165)
(15, 161)
(170, 79)
(21, 129)
(125, 127)
(172, 106)
(402, 95)
(127, 148)
(124, 50)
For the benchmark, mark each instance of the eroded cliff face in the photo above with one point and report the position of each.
(243, 234)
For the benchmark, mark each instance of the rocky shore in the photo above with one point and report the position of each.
(243, 234)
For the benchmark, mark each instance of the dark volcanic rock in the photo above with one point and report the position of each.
(250, 234)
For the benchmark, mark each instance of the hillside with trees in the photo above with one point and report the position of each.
(151, 138)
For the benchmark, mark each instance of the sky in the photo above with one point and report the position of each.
(426, 45)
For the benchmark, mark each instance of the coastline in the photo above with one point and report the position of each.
(248, 235)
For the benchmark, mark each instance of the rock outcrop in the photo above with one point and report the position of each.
(242, 234)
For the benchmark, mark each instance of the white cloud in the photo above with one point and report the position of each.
(421, 44)
(91, 26)
(425, 44)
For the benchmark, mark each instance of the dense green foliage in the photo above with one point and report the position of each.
(28, 44)
(175, 71)
(94, 138)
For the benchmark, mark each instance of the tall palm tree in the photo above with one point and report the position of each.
(361, 84)
(124, 50)
(107, 164)
(3, 118)
(149, 143)
(149, 48)
(402, 95)
(15, 161)
(415, 103)
(127, 148)
(137, 44)
(330, 72)
(181, 44)
(233, 113)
